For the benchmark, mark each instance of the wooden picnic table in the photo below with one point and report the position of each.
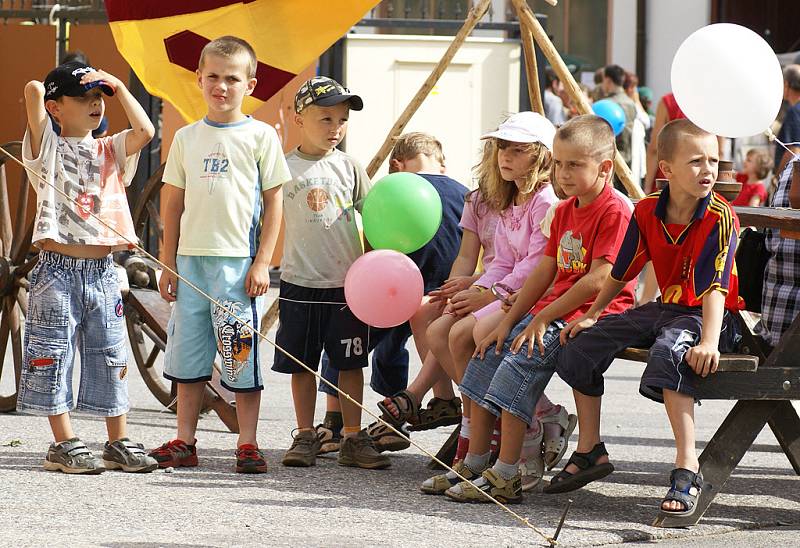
(764, 395)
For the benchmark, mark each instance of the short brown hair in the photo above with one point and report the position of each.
(761, 160)
(410, 145)
(228, 46)
(591, 133)
(672, 133)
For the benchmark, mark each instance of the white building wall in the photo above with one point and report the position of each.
(623, 33)
(669, 23)
(476, 92)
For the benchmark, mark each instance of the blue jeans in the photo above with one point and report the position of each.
(75, 306)
(513, 382)
(389, 362)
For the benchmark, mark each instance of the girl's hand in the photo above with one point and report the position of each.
(506, 306)
(497, 338)
(451, 287)
(470, 300)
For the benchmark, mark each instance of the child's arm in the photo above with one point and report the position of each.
(142, 129)
(532, 290)
(37, 114)
(173, 209)
(704, 358)
(608, 292)
(462, 273)
(583, 291)
(257, 281)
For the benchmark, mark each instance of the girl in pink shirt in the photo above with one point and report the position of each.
(517, 175)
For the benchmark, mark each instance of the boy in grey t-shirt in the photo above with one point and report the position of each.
(321, 242)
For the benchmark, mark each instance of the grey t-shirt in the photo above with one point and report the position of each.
(319, 204)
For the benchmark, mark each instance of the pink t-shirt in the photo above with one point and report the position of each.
(479, 218)
(518, 241)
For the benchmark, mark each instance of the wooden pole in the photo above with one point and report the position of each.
(548, 49)
(531, 70)
(475, 15)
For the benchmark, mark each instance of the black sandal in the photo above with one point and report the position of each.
(438, 413)
(588, 471)
(407, 408)
(685, 487)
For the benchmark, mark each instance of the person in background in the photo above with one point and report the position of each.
(553, 104)
(757, 165)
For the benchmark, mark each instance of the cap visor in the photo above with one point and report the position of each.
(513, 136)
(355, 101)
(80, 90)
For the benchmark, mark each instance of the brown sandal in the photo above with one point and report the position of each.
(438, 413)
(407, 408)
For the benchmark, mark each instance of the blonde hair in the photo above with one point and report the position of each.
(761, 160)
(672, 134)
(230, 46)
(501, 194)
(479, 172)
(592, 134)
(410, 145)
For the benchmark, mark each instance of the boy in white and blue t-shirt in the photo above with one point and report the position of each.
(222, 218)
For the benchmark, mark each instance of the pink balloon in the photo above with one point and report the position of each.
(383, 288)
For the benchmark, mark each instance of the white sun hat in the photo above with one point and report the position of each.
(525, 127)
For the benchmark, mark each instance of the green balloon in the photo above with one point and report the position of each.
(402, 212)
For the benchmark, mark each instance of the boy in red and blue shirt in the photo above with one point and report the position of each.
(690, 235)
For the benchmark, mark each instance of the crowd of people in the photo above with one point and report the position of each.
(531, 274)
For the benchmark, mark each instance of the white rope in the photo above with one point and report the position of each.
(261, 335)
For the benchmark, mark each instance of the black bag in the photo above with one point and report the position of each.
(751, 263)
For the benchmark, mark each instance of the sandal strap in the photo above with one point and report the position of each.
(685, 487)
(587, 460)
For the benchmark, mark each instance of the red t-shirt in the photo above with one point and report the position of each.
(690, 260)
(749, 190)
(579, 235)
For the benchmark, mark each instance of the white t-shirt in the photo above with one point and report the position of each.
(92, 171)
(322, 238)
(223, 169)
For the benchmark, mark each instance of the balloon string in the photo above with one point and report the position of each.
(772, 137)
(262, 336)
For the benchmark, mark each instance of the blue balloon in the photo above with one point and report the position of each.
(611, 112)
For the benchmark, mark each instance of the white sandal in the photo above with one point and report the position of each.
(554, 448)
(531, 464)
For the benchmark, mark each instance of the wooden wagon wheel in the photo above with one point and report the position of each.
(15, 263)
(147, 314)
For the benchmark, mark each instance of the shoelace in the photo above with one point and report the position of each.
(248, 452)
(170, 447)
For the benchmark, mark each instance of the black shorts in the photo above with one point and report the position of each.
(304, 330)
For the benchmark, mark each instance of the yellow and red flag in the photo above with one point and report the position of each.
(162, 40)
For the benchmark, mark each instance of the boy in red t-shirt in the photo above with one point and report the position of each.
(586, 233)
(690, 234)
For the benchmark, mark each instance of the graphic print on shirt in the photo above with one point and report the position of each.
(215, 168)
(80, 180)
(234, 340)
(571, 253)
(325, 197)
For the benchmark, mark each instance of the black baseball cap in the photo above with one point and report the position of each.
(65, 79)
(325, 92)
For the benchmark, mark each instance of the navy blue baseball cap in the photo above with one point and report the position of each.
(65, 79)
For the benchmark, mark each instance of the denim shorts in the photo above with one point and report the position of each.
(198, 329)
(75, 306)
(513, 382)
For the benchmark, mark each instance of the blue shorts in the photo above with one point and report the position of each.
(199, 329)
(668, 330)
(74, 306)
(513, 382)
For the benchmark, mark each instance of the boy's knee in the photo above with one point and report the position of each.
(461, 335)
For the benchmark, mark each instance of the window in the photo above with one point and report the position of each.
(579, 29)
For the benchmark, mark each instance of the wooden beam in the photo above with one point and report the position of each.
(727, 362)
(531, 68)
(571, 86)
(475, 15)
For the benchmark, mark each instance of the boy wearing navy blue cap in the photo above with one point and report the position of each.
(75, 302)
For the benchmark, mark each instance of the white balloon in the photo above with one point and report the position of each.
(727, 80)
